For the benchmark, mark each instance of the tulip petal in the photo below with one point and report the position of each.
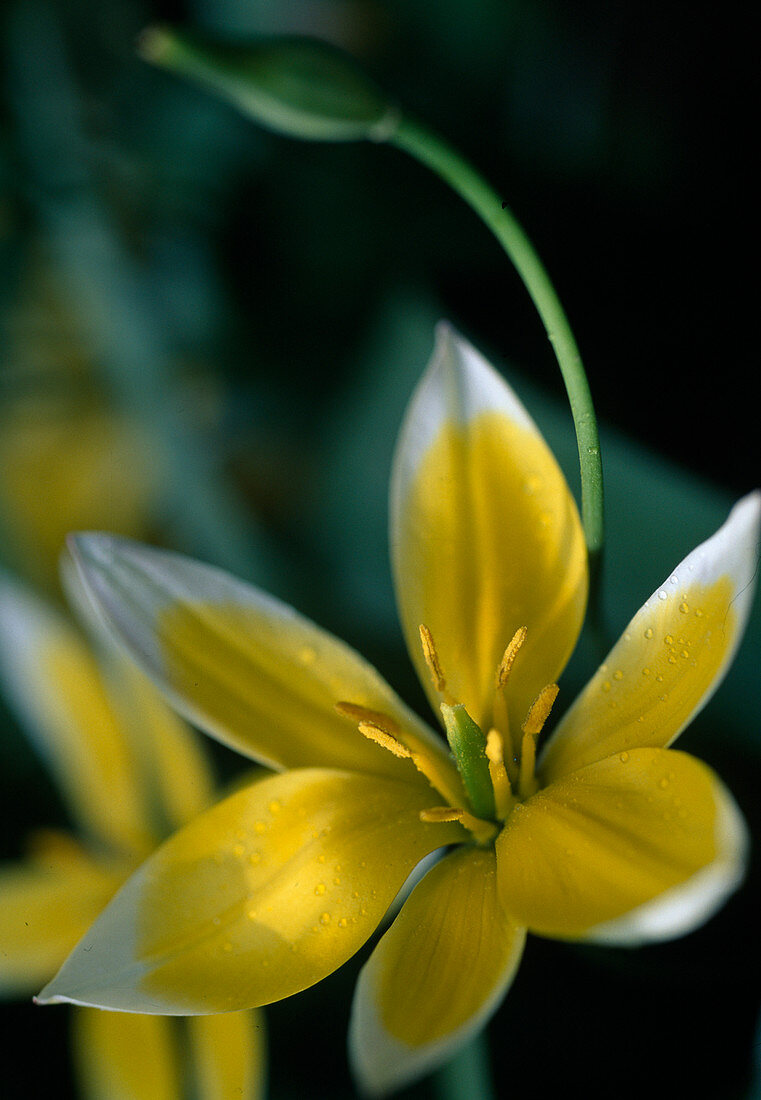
(640, 846)
(672, 656)
(261, 896)
(229, 1054)
(48, 902)
(127, 1057)
(242, 665)
(437, 975)
(485, 535)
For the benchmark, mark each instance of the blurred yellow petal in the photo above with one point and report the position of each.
(120, 1056)
(672, 656)
(256, 899)
(436, 976)
(58, 692)
(241, 664)
(228, 1053)
(47, 903)
(639, 846)
(67, 465)
(485, 535)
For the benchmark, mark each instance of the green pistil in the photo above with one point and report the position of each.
(468, 746)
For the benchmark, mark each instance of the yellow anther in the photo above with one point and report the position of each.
(374, 717)
(432, 660)
(439, 814)
(386, 732)
(500, 781)
(539, 710)
(508, 657)
(483, 831)
(385, 740)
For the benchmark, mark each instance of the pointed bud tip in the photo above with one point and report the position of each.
(298, 86)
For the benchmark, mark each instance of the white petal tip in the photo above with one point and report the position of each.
(686, 907)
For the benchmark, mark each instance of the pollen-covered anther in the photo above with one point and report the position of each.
(377, 718)
(508, 657)
(384, 739)
(539, 711)
(434, 665)
(483, 831)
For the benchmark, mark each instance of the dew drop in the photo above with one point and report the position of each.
(343, 922)
(649, 632)
(662, 594)
(320, 888)
(325, 918)
(684, 607)
(624, 757)
(275, 807)
(669, 639)
(618, 674)
(645, 671)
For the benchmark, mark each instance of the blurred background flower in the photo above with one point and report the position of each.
(209, 334)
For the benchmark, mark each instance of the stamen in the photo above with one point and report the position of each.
(538, 714)
(436, 776)
(508, 657)
(432, 660)
(438, 814)
(374, 717)
(483, 831)
(539, 710)
(503, 794)
(385, 740)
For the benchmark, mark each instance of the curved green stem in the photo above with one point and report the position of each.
(447, 163)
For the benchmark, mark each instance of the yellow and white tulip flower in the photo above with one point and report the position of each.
(606, 834)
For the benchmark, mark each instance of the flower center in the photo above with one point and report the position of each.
(492, 783)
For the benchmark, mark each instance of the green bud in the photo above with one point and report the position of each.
(468, 745)
(298, 86)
